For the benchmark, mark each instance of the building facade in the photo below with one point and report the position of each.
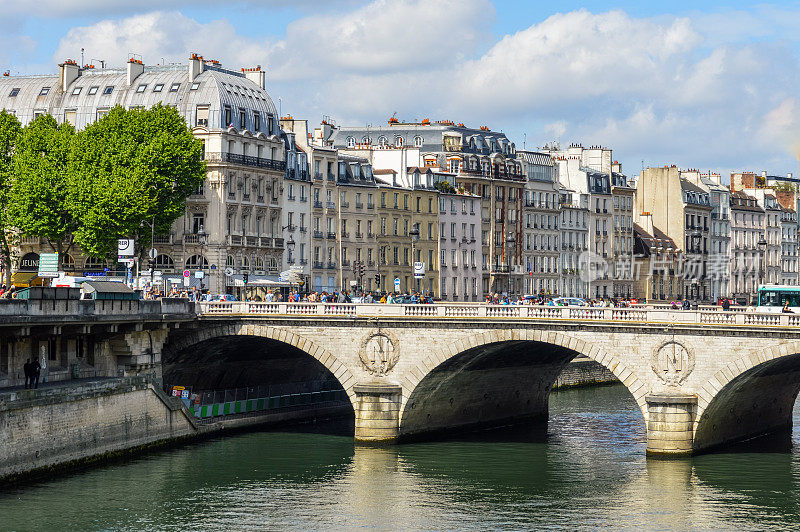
(234, 219)
(747, 220)
(460, 247)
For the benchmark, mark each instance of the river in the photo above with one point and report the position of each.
(587, 470)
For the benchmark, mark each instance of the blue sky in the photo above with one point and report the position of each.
(710, 85)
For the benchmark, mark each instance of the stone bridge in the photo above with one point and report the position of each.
(702, 379)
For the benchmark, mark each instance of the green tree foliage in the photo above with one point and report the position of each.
(10, 130)
(130, 169)
(445, 187)
(38, 198)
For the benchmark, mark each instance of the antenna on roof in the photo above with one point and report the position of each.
(82, 63)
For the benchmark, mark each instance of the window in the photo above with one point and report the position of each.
(228, 122)
(417, 141)
(174, 87)
(93, 90)
(202, 115)
(101, 113)
(351, 142)
(76, 91)
(15, 91)
(141, 88)
(398, 142)
(44, 91)
(158, 87)
(109, 89)
(256, 121)
(69, 116)
(195, 86)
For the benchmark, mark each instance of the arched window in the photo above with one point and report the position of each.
(229, 261)
(259, 263)
(382, 141)
(398, 142)
(193, 262)
(68, 263)
(351, 142)
(417, 141)
(94, 263)
(245, 263)
(164, 262)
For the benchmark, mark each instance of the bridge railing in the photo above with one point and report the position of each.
(710, 315)
(78, 308)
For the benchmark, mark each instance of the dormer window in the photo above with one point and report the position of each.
(351, 142)
(44, 91)
(109, 89)
(256, 121)
(418, 142)
(76, 91)
(93, 90)
(195, 86)
(159, 87)
(174, 87)
(398, 142)
(242, 119)
(141, 88)
(13, 92)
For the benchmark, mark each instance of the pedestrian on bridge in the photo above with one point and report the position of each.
(36, 369)
(26, 367)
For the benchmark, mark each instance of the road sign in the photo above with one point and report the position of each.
(125, 247)
(419, 270)
(228, 271)
(127, 262)
(198, 275)
(48, 265)
(187, 273)
(153, 253)
(396, 284)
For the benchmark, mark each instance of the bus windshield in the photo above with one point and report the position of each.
(778, 297)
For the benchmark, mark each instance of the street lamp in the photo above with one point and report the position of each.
(290, 246)
(202, 238)
(696, 238)
(414, 234)
(509, 246)
(762, 248)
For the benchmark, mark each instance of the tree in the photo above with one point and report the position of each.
(445, 187)
(38, 196)
(130, 169)
(10, 130)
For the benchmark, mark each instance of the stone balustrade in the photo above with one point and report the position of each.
(653, 314)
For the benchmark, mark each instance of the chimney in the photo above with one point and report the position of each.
(256, 75)
(647, 222)
(789, 175)
(68, 71)
(763, 173)
(135, 69)
(196, 66)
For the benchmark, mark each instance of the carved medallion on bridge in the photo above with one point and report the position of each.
(673, 362)
(379, 353)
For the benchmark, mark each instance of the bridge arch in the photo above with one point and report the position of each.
(279, 334)
(750, 396)
(497, 337)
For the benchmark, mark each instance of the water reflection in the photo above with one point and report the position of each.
(584, 470)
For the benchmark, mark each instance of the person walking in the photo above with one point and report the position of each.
(36, 369)
(26, 367)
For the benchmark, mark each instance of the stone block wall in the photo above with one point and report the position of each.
(38, 431)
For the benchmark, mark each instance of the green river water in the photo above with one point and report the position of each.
(586, 470)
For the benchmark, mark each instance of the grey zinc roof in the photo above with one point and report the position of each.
(535, 157)
(431, 137)
(217, 88)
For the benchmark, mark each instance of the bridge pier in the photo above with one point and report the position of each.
(377, 409)
(670, 423)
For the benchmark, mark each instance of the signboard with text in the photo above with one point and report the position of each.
(48, 265)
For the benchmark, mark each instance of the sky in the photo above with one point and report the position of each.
(707, 85)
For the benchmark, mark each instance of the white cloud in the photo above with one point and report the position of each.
(665, 89)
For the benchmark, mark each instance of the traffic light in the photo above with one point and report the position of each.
(245, 277)
(361, 269)
(377, 280)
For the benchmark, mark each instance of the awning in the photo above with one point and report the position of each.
(26, 279)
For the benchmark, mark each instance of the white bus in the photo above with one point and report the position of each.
(772, 298)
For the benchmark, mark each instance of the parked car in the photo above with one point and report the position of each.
(224, 297)
(569, 302)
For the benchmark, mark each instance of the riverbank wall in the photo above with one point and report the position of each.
(583, 371)
(58, 429)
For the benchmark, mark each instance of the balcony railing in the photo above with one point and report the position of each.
(345, 205)
(318, 176)
(319, 265)
(370, 205)
(359, 205)
(331, 235)
(330, 204)
(245, 160)
(331, 176)
(318, 234)
(345, 234)
(331, 265)
(164, 239)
